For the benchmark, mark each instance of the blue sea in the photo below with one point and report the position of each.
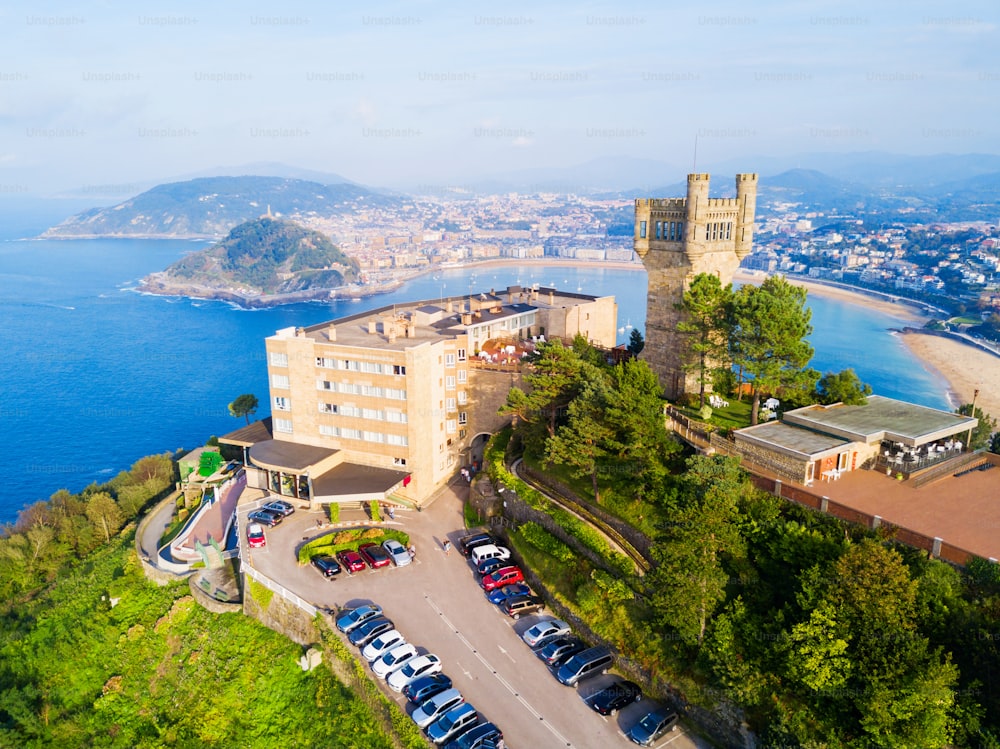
(95, 375)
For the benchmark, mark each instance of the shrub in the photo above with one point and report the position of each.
(542, 540)
(334, 509)
(375, 510)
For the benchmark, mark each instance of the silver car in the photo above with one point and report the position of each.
(436, 706)
(397, 552)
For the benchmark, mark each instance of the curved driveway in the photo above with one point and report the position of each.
(438, 606)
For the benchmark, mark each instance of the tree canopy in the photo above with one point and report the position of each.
(706, 305)
(245, 405)
(842, 387)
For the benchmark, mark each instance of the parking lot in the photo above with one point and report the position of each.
(437, 604)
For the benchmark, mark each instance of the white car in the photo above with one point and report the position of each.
(393, 660)
(382, 645)
(414, 668)
(400, 556)
(433, 708)
(544, 631)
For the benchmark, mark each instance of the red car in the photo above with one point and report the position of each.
(375, 555)
(351, 560)
(503, 576)
(255, 536)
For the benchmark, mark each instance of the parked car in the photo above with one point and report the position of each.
(369, 631)
(414, 668)
(423, 687)
(489, 551)
(433, 708)
(615, 696)
(397, 552)
(327, 565)
(374, 555)
(467, 543)
(382, 644)
(358, 616)
(503, 576)
(476, 737)
(583, 665)
(489, 566)
(280, 506)
(255, 536)
(453, 723)
(394, 659)
(498, 595)
(555, 651)
(652, 726)
(266, 517)
(519, 606)
(536, 635)
(351, 560)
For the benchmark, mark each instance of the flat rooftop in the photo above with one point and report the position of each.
(881, 418)
(422, 321)
(286, 455)
(792, 439)
(354, 478)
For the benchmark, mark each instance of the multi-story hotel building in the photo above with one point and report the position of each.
(391, 403)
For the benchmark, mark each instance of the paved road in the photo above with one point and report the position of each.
(437, 604)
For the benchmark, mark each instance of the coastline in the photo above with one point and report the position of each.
(963, 366)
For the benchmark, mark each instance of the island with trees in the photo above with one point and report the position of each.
(261, 262)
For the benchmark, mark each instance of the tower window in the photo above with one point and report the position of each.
(642, 230)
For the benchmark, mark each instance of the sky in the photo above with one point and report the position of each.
(105, 96)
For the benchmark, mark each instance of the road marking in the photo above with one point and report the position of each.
(504, 651)
(507, 685)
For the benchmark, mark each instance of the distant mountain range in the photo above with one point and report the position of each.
(261, 257)
(211, 206)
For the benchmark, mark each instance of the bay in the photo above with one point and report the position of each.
(95, 375)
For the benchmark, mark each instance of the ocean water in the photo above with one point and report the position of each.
(95, 375)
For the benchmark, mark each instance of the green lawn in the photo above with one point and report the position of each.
(734, 416)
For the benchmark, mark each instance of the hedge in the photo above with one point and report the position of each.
(335, 541)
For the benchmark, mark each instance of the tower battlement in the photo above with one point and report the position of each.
(677, 239)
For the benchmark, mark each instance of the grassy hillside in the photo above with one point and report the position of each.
(157, 670)
(211, 206)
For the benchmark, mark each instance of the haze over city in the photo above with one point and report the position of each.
(113, 98)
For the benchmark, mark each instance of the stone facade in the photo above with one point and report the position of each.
(677, 239)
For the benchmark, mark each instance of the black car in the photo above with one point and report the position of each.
(266, 517)
(613, 698)
(327, 565)
(279, 506)
(488, 566)
(651, 726)
(369, 631)
(468, 543)
(519, 606)
(477, 737)
(555, 652)
(425, 687)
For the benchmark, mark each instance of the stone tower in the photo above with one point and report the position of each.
(678, 238)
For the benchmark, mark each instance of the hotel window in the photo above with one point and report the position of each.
(449, 360)
(395, 394)
(325, 385)
(451, 405)
(462, 434)
(324, 362)
(680, 230)
(449, 382)
(461, 396)
(398, 369)
(328, 431)
(279, 381)
(463, 418)
(327, 408)
(461, 354)
(729, 230)
(463, 376)
(397, 417)
(396, 439)
(642, 230)
(283, 425)
(373, 437)
(451, 426)
(399, 461)
(278, 359)
(354, 434)
(282, 404)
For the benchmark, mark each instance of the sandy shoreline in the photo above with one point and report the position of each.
(965, 367)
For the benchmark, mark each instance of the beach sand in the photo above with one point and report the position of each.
(965, 367)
